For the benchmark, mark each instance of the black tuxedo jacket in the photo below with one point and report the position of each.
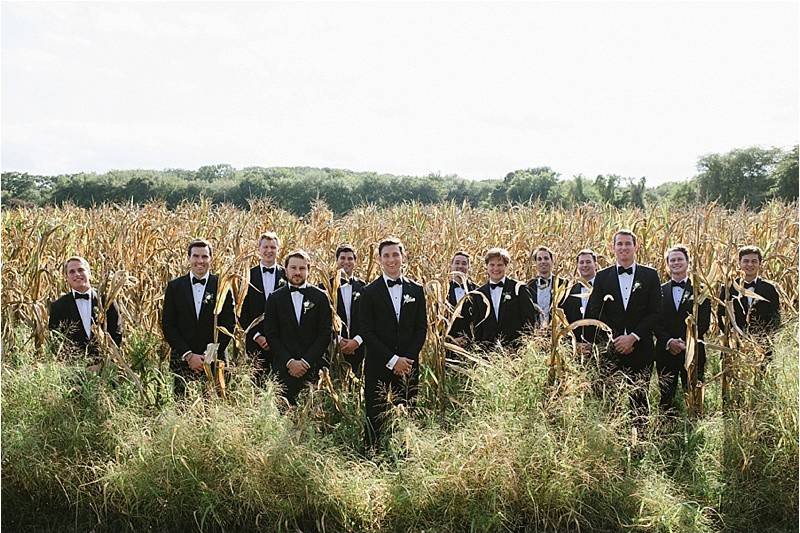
(350, 330)
(557, 282)
(385, 336)
(671, 323)
(289, 339)
(640, 316)
(253, 305)
(65, 318)
(516, 314)
(461, 326)
(765, 317)
(183, 330)
(572, 310)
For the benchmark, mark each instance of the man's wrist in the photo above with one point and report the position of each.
(358, 339)
(635, 336)
(392, 362)
(187, 356)
(256, 336)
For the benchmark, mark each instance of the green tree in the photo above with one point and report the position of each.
(785, 177)
(741, 175)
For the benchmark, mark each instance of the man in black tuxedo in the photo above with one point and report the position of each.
(347, 300)
(297, 325)
(457, 289)
(627, 297)
(677, 303)
(394, 324)
(73, 313)
(544, 285)
(511, 310)
(265, 278)
(754, 317)
(188, 317)
(574, 305)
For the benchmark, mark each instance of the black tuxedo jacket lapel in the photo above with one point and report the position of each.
(487, 291)
(387, 298)
(257, 280)
(186, 282)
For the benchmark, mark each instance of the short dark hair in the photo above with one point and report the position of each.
(623, 231)
(751, 249)
(300, 254)
(390, 241)
(345, 248)
(586, 251)
(199, 243)
(78, 258)
(542, 249)
(461, 253)
(677, 248)
(270, 236)
(497, 253)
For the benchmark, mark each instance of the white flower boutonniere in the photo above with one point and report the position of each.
(356, 296)
(407, 299)
(209, 297)
(637, 285)
(506, 296)
(307, 305)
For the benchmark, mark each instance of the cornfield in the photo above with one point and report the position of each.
(495, 447)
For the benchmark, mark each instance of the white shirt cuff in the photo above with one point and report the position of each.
(392, 362)
(637, 336)
(358, 339)
(184, 356)
(257, 335)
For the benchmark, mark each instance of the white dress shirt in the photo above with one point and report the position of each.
(459, 292)
(268, 279)
(585, 301)
(297, 302)
(85, 310)
(677, 294)
(497, 293)
(396, 295)
(543, 298)
(626, 284)
(198, 290)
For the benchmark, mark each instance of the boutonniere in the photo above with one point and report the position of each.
(307, 305)
(506, 296)
(281, 282)
(209, 297)
(407, 299)
(637, 285)
(356, 295)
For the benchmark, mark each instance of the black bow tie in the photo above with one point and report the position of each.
(543, 283)
(392, 282)
(495, 285)
(750, 285)
(271, 270)
(79, 296)
(681, 284)
(292, 288)
(200, 281)
(344, 281)
(622, 270)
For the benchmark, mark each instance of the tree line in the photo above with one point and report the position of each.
(751, 175)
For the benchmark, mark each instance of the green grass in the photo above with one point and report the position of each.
(505, 453)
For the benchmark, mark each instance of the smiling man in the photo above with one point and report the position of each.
(627, 297)
(297, 325)
(393, 324)
(574, 305)
(74, 313)
(265, 278)
(188, 317)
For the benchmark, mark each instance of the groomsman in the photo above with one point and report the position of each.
(265, 278)
(73, 313)
(347, 300)
(511, 309)
(456, 291)
(574, 305)
(544, 285)
(677, 303)
(394, 324)
(627, 297)
(297, 325)
(188, 317)
(759, 317)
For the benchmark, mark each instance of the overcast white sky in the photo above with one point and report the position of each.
(638, 89)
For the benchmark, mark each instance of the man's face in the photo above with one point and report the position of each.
(391, 260)
(297, 271)
(460, 264)
(750, 265)
(677, 264)
(199, 260)
(268, 251)
(496, 268)
(78, 276)
(544, 263)
(625, 249)
(347, 262)
(587, 266)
